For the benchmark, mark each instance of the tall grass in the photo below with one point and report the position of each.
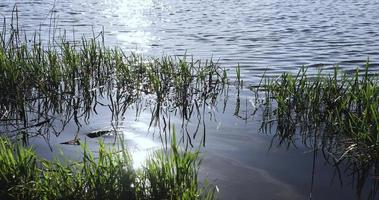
(341, 108)
(335, 113)
(168, 174)
(18, 168)
(60, 81)
(71, 79)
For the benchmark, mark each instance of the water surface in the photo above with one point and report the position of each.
(276, 35)
(281, 35)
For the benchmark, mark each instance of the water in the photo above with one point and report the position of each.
(279, 36)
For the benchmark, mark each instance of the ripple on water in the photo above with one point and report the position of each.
(275, 34)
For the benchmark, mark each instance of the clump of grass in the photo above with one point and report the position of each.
(336, 113)
(39, 81)
(174, 174)
(18, 168)
(168, 175)
(342, 108)
(42, 84)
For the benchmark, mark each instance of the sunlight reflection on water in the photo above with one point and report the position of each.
(133, 16)
(142, 148)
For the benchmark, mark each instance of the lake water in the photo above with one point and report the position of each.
(279, 36)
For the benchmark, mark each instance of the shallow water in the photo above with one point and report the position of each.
(275, 35)
(237, 157)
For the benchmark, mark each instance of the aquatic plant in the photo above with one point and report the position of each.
(170, 174)
(340, 107)
(335, 113)
(62, 80)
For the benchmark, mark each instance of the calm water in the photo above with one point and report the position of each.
(273, 34)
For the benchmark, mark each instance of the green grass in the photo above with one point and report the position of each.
(41, 80)
(340, 110)
(43, 84)
(171, 174)
(333, 113)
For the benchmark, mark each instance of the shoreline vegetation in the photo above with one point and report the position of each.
(44, 86)
(335, 114)
(337, 111)
(74, 78)
(169, 174)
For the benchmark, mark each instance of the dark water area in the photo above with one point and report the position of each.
(277, 36)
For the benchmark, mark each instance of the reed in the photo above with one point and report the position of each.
(334, 113)
(340, 110)
(40, 80)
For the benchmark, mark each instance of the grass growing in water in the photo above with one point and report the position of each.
(168, 175)
(66, 81)
(342, 108)
(72, 78)
(335, 113)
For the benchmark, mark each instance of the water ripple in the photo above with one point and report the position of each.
(281, 35)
